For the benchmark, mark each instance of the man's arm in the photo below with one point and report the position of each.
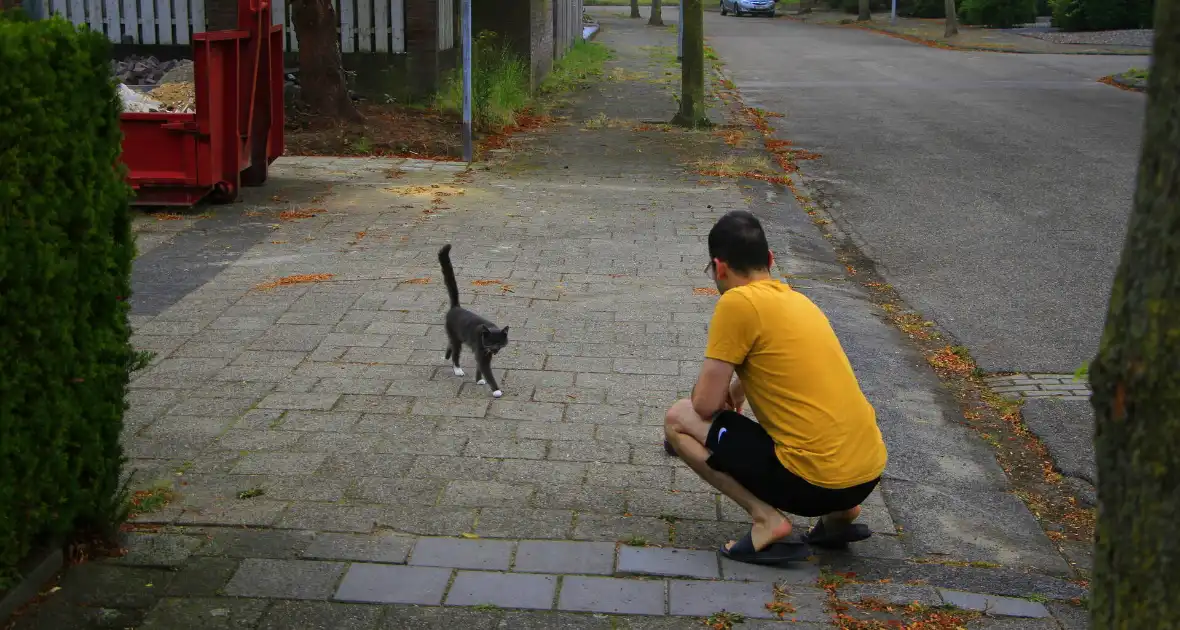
(711, 391)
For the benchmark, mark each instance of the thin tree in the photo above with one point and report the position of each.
(321, 70)
(952, 19)
(656, 19)
(1136, 376)
(692, 112)
(635, 9)
(805, 6)
(864, 15)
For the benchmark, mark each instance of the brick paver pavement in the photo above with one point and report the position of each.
(331, 472)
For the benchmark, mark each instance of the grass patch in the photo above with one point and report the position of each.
(577, 68)
(1137, 73)
(151, 500)
(736, 166)
(499, 85)
(724, 620)
(251, 493)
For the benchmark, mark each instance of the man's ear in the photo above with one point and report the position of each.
(770, 262)
(720, 269)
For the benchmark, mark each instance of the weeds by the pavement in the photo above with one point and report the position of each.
(150, 500)
(580, 65)
(724, 620)
(499, 85)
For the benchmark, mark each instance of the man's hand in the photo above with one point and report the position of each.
(737, 395)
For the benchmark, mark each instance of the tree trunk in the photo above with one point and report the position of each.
(1136, 376)
(321, 72)
(635, 9)
(952, 19)
(692, 67)
(656, 18)
(864, 15)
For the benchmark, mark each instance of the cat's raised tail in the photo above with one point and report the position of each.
(444, 259)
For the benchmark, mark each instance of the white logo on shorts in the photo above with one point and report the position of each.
(720, 433)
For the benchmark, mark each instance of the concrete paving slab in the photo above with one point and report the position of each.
(1066, 428)
(612, 595)
(988, 527)
(393, 584)
(507, 590)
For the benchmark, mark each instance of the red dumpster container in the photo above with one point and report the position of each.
(178, 159)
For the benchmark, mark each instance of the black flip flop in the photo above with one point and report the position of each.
(775, 554)
(819, 536)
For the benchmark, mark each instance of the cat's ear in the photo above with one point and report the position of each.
(504, 330)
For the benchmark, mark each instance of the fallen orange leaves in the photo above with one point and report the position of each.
(705, 291)
(298, 279)
(168, 216)
(292, 215)
(1109, 80)
(951, 360)
(417, 281)
(484, 283)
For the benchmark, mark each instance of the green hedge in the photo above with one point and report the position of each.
(1101, 15)
(923, 9)
(998, 13)
(65, 264)
(853, 6)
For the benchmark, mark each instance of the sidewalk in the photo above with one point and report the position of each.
(328, 470)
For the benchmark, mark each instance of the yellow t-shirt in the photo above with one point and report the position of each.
(799, 383)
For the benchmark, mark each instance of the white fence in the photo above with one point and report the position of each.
(365, 25)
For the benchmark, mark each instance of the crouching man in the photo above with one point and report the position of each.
(816, 450)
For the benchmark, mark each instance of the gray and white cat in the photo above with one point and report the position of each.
(466, 328)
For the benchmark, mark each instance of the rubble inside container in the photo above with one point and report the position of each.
(136, 70)
(147, 84)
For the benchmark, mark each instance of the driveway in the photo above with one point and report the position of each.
(991, 189)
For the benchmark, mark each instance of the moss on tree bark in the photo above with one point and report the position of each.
(1136, 376)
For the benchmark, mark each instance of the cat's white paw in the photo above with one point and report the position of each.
(459, 371)
(482, 381)
(497, 394)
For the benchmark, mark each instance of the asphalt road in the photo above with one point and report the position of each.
(991, 189)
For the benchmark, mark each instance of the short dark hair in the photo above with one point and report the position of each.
(737, 240)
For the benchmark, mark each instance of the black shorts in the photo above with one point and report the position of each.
(744, 450)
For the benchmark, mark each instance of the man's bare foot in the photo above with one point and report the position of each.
(764, 533)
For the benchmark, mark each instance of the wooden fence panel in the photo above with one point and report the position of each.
(365, 25)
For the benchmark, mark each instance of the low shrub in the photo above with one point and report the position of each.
(931, 9)
(998, 13)
(65, 264)
(1102, 15)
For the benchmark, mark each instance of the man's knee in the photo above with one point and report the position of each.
(678, 413)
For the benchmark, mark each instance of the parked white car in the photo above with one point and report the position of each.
(749, 7)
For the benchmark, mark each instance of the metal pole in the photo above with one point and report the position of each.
(893, 14)
(680, 31)
(468, 150)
